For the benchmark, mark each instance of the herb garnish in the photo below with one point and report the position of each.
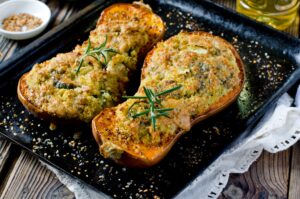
(155, 109)
(97, 53)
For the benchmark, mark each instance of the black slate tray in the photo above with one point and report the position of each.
(272, 67)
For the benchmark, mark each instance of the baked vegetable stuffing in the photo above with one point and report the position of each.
(184, 80)
(77, 85)
(154, 102)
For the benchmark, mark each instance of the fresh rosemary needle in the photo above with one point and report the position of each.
(155, 109)
(97, 53)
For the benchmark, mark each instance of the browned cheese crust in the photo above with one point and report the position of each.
(211, 74)
(57, 91)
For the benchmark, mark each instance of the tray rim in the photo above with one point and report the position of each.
(4, 68)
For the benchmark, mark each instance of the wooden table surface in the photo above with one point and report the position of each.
(23, 176)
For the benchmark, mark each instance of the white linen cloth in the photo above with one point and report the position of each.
(278, 130)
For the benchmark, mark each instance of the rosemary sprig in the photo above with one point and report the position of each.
(155, 109)
(97, 53)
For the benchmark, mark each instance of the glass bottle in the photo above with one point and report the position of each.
(278, 13)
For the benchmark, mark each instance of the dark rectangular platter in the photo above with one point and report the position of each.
(272, 66)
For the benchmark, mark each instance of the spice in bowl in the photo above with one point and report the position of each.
(21, 22)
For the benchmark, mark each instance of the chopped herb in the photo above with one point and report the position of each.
(97, 53)
(155, 109)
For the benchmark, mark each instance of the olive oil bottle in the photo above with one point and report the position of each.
(277, 13)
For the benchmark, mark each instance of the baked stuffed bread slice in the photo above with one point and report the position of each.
(185, 79)
(77, 85)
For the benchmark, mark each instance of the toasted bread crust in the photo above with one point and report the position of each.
(116, 133)
(130, 29)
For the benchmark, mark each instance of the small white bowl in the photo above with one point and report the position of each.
(33, 7)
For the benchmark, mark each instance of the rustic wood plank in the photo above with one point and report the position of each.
(294, 191)
(5, 147)
(266, 178)
(8, 165)
(30, 179)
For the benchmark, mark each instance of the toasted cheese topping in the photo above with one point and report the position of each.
(206, 68)
(56, 88)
